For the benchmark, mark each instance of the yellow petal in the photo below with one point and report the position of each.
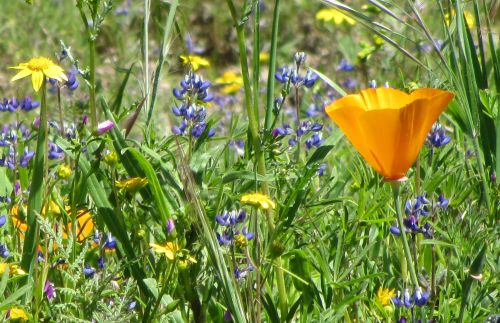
(21, 74)
(20, 66)
(37, 79)
(55, 72)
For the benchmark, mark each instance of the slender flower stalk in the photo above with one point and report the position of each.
(37, 194)
(395, 185)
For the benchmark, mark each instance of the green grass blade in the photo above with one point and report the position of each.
(167, 30)
(272, 67)
(37, 190)
(162, 205)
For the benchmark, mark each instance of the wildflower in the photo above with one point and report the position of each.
(388, 127)
(195, 61)
(241, 239)
(227, 316)
(4, 251)
(14, 270)
(27, 104)
(420, 298)
(194, 94)
(242, 273)
(105, 126)
(64, 171)
(100, 262)
(259, 200)
(437, 136)
(400, 301)
(170, 226)
(384, 295)
(170, 249)
(49, 290)
(3, 219)
(345, 66)
(132, 184)
(110, 243)
(232, 82)
(321, 169)
(468, 16)
(184, 259)
(111, 158)
(314, 141)
(335, 16)
(39, 68)
(16, 313)
(231, 218)
(442, 202)
(55, 152)
(264, 57)
(132, 305)
(88, 271)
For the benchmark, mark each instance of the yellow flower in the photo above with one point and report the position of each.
(195, 61)
(332, 14)
(64, 171)
(233, 82)
(388, 127)
(257, 199)
(384, 295)
(38, 68)
(111, 158)
(14, 270)
(264, 57)
(469, 18)
(132, 184)
(17, 313)
(170, 249)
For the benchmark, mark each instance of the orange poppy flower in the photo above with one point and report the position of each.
(388, 127)
(84, 228)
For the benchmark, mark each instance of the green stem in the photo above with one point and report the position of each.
(406, 248)
(92, 105)
(484, 181)
(145, 51)
(253, 124)
(272, 67)
(36, 196)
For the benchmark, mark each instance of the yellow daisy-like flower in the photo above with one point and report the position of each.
(132, 184)
(259, 200)
(233, 82)
(38, 68)
(384, 295)
(17, 313)
(14, 270)
(170, 249)
(335, 16)
(195, 61)
(64, 171)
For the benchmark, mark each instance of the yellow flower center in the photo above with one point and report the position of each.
(39, 63)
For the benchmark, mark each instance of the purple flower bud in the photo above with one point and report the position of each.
(3, 220)
(105, 126)
(395, 230)
(227, 316)
(170, 225)
(49, 290)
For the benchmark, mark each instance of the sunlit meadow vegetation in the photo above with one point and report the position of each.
(249, 161)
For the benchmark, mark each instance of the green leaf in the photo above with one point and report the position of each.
(246, 175)
(319, 154)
